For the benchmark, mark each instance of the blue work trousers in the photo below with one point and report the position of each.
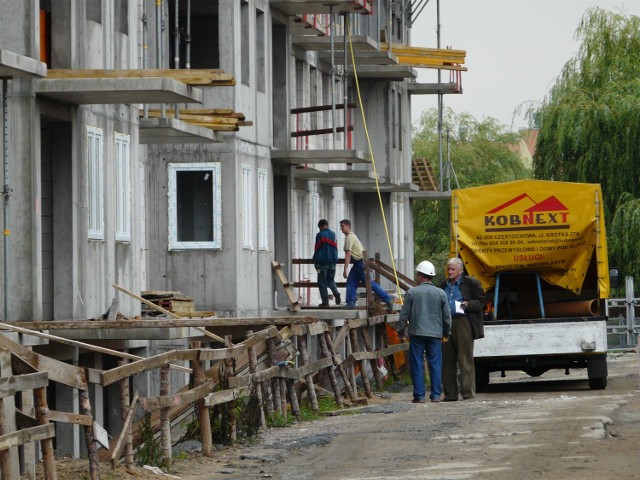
(432, 346)
(326, 280)
(355, 277)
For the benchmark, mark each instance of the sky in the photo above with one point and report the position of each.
(515, 51)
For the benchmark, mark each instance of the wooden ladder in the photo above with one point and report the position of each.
(423, 175)
(293, 302)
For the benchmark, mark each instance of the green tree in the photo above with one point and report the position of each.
(590, 125)
(481, 153)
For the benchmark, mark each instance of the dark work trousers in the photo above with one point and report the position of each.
(458, 352)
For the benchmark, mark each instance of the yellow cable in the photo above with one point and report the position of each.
(373, 161)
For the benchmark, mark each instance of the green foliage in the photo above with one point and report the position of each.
(590, 124)
(246, 410)
(624, 232)
(150, 452)
(480, 154)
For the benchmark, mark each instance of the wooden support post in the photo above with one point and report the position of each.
(331, 371)
(85, 409)
(125, 405)
(5, 464)
(302, 343)
(231, 406)
(253, 368)
(367, 280)
(341, 370)
(366, 339)
(203, 410)
(283, 395)
(353, 334)
(9, 456)
(275, 383)
(46, 445)
(165, 420)
(293, 397)
(377, 259)
(28, 449)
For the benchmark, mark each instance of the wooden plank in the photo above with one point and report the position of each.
(32, 434)
(221, 353)
(58, 371)
(190, 77)
(17, 383)
(146, 364)
(185, 398)
(167, 323)
(312, 329)
(117, 449)
(225, 396)
(67, 417)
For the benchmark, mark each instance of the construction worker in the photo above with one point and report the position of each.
(353, 255)
(325, 257)
(427, 310)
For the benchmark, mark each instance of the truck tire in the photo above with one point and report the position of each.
(597, 371)
(598, 383)
(482, 376)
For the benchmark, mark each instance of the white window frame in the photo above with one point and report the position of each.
(95, 182)
(247, 207)
(215, 169)
(394, 229)
(263, 209)
(122, 152)
(401, 232)
(339, 214)
(314, 217)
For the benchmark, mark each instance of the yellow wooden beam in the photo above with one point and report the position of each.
(202, 77)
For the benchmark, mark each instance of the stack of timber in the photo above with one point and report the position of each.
(216, 119)
(199, 77)
(174, 302)
(421, 57)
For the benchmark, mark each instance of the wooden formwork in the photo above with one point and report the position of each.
(274, 364)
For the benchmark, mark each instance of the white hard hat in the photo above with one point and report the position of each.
(426, 268)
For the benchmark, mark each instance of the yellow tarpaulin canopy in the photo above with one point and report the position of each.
(548, 227)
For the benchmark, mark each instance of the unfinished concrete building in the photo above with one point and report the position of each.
(172, 182)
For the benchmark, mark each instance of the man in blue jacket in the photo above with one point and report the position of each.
(426, 308)
(325, 257)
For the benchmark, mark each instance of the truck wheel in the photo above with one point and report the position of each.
(597, 371)
(599, 383)
(482, 377)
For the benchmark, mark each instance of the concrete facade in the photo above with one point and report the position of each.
(67, 176)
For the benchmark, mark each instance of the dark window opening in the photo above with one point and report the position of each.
(194, 196)
(198, 45)
(121, 16)
(94, 10)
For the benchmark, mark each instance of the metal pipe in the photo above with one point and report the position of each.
(6, 192)
(176, 35)
(334, 117)
(440, 103)
(344, 81)
(176, 48)
(187, 38)
(145, 44)
(159, 27)
(630, 304)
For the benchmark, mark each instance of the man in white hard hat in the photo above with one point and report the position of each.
(427, 310)
(466, 297)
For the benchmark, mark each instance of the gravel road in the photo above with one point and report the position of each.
(550, 427)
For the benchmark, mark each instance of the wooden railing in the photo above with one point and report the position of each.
(274, 364)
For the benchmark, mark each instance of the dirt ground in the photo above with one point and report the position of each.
(551, 427)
